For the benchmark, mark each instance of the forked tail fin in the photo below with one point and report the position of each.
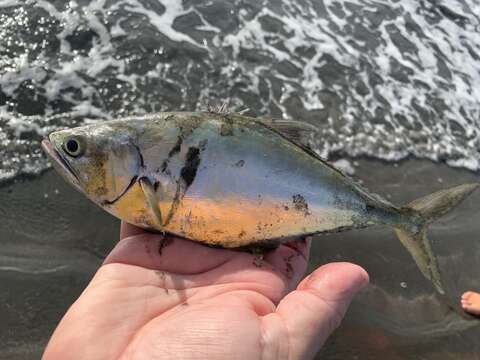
(430, 208)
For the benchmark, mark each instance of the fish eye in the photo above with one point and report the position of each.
(73, 147)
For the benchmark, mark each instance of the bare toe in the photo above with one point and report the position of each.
(468, 294)
(471, 309)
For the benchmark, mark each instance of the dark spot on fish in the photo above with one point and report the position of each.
(176, 148)
(286, 208)
(164, 166)
(187, 176)
(142, 163)
(156, 185)
(189, 170)
(217, 231)
(165, 169)
(240, 163)
(259, 228)
(184, 304)
(242, 234)
(300, 204)
(369, 208)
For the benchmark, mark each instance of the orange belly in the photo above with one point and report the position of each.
(230, 222)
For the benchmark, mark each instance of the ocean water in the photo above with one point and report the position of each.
(387, 79)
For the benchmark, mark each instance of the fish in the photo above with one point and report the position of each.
(233, 181)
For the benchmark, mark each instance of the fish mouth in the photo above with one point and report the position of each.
(61, 164)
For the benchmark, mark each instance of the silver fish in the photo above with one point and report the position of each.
(233, 181)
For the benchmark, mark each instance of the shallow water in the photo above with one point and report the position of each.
(386, 80)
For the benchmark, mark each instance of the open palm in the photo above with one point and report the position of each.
(168, 298)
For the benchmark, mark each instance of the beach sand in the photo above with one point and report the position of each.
(53, 240)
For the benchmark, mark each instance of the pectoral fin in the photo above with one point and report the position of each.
(152, 201)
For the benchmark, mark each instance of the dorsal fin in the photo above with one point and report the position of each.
(299, 130)
(296, 131)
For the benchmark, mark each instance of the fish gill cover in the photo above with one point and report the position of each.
(384, 79)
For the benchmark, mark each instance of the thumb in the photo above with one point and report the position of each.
(313, 311)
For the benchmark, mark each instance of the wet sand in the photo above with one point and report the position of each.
(53, 240)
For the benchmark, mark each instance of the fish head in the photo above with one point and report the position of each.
(99, 160)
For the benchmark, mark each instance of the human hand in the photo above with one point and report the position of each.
(169, 298)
